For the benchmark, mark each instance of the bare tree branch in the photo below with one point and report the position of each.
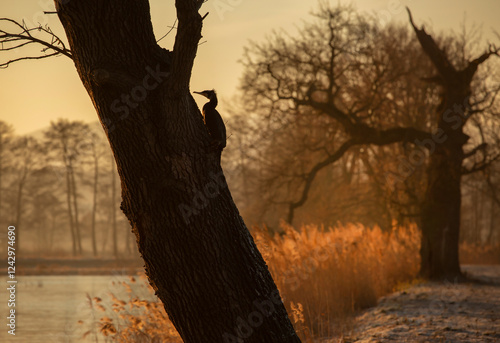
(312, 175)
(360, 130)
(479, 166)
(471, 68)
(480, 147)
(171, 28)
(363, 136)
(491, 102)
(25, 37)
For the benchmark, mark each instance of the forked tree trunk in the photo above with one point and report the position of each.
(199, 256)
(442, 203)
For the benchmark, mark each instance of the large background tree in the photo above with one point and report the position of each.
(344, 85)
(64, 141)
(441, 208)
(326, 99)
(199, 256)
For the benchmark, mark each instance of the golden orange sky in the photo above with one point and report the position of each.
(35, 92)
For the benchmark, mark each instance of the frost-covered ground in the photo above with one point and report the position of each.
(437, 312)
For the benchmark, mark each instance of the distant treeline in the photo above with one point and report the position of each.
(61, 191)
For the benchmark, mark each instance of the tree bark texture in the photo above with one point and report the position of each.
(199, 256)
(440, 216)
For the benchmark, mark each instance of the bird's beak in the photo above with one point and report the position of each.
(198, 93)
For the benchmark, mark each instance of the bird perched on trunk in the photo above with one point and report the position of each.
(213, 120)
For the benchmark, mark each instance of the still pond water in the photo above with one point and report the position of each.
(48, 308)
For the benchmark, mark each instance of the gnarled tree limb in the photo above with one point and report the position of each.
(364, 135)
(312, 175)
(437, 56)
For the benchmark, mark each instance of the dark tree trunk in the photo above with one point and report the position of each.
(442, 202)
(199, 256)
(440, 218)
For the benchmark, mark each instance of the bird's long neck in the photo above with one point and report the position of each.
(213, 102)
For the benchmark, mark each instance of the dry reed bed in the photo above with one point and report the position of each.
(324, 276)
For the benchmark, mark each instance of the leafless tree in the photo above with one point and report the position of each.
(339, 86)
(65, 139)
(345, 74)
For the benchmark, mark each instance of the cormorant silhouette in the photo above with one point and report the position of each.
(213, 120)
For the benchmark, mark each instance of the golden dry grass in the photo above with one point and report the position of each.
(133, 319)
(324, 276)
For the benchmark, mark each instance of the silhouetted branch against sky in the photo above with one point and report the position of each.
(19, 35)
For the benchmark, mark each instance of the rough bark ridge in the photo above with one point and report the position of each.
(199, 256)
(440, 218)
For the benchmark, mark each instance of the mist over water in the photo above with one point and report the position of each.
(48, 308)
